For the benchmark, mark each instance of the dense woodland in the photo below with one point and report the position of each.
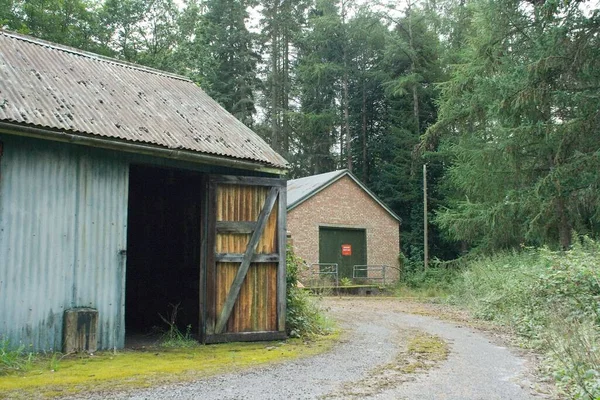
(500, 98)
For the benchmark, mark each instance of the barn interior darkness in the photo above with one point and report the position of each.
(163, 250)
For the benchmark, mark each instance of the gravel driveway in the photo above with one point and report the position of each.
(475, 368)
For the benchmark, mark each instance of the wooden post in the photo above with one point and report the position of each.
(425, 233)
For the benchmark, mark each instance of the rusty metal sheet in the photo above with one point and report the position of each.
(52, 86)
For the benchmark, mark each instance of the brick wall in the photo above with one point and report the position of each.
(345, 204)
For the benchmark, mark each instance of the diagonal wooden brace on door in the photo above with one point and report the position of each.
(236, 286)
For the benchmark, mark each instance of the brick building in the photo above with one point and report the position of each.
(334, 218)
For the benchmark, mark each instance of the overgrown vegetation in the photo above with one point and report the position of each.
(12, 359)
(552, 302)
(304, 317)
(415, 281)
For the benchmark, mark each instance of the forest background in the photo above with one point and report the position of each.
(500, 98)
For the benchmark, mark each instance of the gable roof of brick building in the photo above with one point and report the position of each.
(302, 189)
(67, 91)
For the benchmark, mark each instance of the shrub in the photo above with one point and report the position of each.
(304, 316)
(433, 282)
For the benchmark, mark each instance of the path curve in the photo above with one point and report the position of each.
(475, 369)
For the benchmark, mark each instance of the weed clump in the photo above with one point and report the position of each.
(173, 337)
(14, 359)
(304, 316)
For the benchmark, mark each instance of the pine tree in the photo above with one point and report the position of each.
(319, 72)
(281, 25)
(519, 122)
(234, 81)
(412, 67)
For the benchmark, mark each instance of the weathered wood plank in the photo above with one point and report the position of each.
(238, 258)
(246, 337)
(204, 258)
(243, 270)
(242, 227)
(211, 277)
(250, 180)
(282, 267)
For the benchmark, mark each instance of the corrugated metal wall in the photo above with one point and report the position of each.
(63, 216)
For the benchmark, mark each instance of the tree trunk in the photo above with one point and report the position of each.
(413, 69)
(345, 96)
(564, 225)
(364, 133)
(274, 89)
(346, 124)
(285, 94)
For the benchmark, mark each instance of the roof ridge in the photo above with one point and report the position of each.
(91, 55)
(335, 177)
(338, 171)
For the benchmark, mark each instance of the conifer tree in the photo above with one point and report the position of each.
(519, 121)
(281, 26)
(233, 82)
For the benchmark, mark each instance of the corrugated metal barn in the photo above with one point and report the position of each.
(125, 189)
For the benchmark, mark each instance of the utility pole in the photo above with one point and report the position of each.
(425, 233)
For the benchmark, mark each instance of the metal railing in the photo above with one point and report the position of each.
(369, 272)
(325, 270)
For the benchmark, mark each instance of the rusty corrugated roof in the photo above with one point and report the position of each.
(53, 86)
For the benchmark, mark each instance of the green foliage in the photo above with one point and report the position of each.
(498, 97)
(551, 300)
(304, 316)
(345, 281)
(14, 359)
(514, 126)
(415, 281)
(227, 40)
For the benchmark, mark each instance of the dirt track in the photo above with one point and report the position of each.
(371, 362)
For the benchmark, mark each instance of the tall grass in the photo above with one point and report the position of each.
(551, 300)
(14, 359)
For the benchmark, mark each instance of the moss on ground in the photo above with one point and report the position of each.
(419, 352)
(125, 370)
(423, 352)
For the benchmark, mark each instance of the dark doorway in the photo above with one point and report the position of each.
(343, 246)
(163, 250)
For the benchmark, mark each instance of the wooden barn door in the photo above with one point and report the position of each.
(245, 274)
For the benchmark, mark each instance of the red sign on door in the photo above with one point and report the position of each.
(346, 249)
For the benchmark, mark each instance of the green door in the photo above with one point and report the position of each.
(345, 247)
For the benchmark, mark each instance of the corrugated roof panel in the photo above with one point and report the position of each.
(57, 87)
(302, 189)
(299, 189)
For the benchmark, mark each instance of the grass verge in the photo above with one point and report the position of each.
(106, 372)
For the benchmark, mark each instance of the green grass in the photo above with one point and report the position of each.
(124, 370)
(12, 359)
